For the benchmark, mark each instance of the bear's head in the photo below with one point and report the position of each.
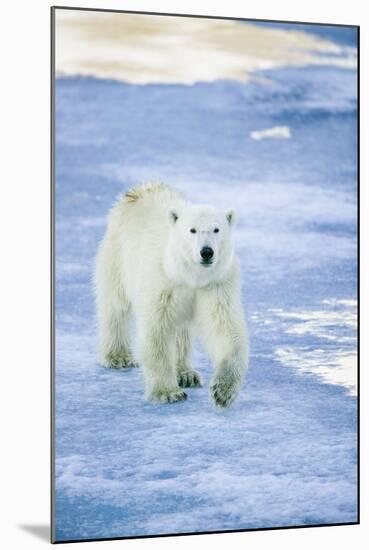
(200, 248)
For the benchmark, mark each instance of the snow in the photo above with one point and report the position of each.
(277, 132)
(285, 454)
(335, 323)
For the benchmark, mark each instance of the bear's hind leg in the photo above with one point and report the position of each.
(113, 308)
(115, 349)
(186, 376)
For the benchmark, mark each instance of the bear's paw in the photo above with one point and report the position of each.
(224, 389)
(168, 396)
(189, 379)
(119, 361)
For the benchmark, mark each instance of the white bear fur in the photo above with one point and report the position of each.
(149, 264)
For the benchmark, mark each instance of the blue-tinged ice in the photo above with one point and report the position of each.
(285, 454)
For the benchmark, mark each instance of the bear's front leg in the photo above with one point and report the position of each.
(186, 376)
(157, 347)
(222, 324)
(227, 381)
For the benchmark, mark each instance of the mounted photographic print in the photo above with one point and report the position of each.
(205, 264)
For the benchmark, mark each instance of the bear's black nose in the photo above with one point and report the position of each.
(207, 253)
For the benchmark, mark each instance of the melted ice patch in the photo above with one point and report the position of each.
(277, 132)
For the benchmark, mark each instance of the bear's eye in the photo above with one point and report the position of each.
(193, 230)
(216, 230)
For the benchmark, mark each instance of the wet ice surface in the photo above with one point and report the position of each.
(285, 454)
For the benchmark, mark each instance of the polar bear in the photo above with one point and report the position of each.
(171, 263)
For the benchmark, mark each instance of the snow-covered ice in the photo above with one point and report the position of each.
(142, 49)
(285, 454)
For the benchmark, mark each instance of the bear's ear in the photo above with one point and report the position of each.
(173, 215)
(231, 217)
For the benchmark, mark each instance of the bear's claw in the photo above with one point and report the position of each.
(189, 379)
